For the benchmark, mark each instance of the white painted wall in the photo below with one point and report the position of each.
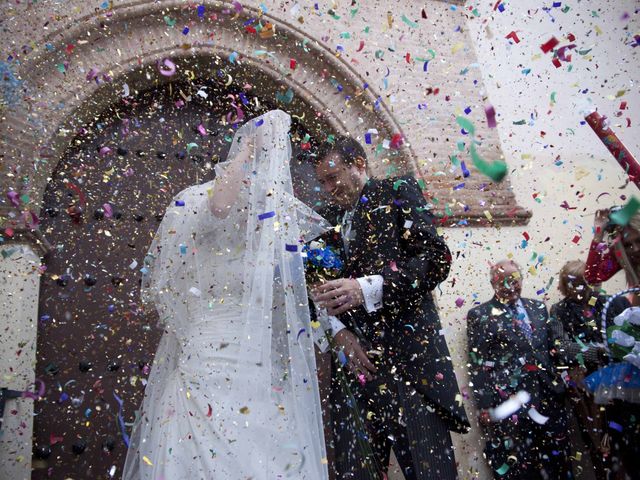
(19, 285)
(587, 167)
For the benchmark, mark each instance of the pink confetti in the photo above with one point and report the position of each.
(202, 130)
(108, 211)
(12, 195)
(459, 302)
(490, 112)
(104, 151)
(93, 73)
(170, 70)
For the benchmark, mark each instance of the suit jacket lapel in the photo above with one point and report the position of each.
(537, 323)
(510, 326)
(357, 222)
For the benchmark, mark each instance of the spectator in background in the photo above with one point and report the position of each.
(614, 248)
(575, 325)
(509, 352)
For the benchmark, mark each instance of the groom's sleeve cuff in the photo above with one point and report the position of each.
(372, 290)
(336, 325)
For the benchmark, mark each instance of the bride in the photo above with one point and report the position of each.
(233, 392)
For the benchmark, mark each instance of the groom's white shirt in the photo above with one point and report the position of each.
(371, 286)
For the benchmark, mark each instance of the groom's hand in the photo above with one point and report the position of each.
(338, 296)
(357, 360)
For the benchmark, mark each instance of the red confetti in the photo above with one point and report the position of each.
(424, 13)
(292, 64)
(549, 45)
(623, 106)
(490, 112)
(396, 140)
(210, 412)
(556, 63)
(513, 36)
(571, 37)
(361, 46)
(628, 122)
(407, 57)
(526, 236)
(576, 239)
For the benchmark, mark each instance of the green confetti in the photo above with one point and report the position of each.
(397, 184)
(345, 35)
(553, 97)
(623, 216)
(494, 170)
(566, 9)
(409, 22)
(169, 21)
(454, 160)
(191, 146)
(330, 138)
(466, 125)
(379, 54)
(285, 97)
(520, 122)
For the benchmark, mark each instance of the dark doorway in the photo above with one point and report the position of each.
(101, 209)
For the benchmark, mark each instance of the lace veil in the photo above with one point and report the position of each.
(245, 258)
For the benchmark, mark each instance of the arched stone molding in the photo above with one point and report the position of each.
(124, 46)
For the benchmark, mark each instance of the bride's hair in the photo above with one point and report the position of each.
(348, 148)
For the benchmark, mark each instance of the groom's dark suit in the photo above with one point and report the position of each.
(394, 236)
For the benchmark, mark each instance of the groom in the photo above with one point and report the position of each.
(386, 322)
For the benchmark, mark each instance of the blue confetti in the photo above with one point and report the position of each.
(179, 203)
(342, 357)
(465, 171)
(291, 248)
(615, 426)
(259, 122)
(201, 11)
(264, 216)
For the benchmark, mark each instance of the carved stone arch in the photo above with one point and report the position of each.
(61, 92)
(327, 91)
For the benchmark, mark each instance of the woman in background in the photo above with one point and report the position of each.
(576, 328)
(615, 247)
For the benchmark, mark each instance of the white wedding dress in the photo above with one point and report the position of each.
(233, 390)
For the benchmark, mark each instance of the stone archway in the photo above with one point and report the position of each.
(65, 94)
(86, 62)
(56, 93)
